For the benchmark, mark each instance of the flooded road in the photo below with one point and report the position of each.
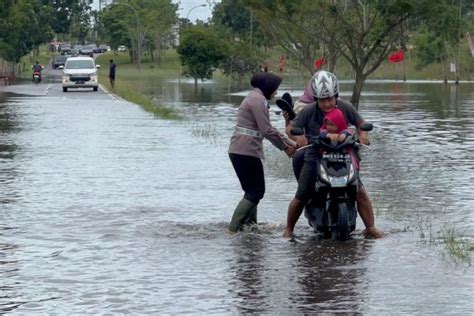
(106, 210)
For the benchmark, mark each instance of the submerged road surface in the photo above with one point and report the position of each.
(106, 210)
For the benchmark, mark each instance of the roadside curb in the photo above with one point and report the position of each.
(110, 94)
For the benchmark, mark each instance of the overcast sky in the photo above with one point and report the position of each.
(186, 7)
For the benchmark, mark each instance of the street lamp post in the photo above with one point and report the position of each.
(200, 5)
(138, 32)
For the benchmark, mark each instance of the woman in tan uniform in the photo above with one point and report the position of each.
(246, 148)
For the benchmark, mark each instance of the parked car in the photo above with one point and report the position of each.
(103, 48)
(58, 61)
(80, 72)
(78, 47)
(73, 52)
(122, 48)
(65, 49)
(97, 50)
(88, 50)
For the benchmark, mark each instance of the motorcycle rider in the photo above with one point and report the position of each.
(37, 68)
(325, 88)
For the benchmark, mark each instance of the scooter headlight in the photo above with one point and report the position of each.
(323, 174)
(351, 173)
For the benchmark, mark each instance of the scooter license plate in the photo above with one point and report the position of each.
(338, 182)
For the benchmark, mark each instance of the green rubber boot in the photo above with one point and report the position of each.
(252, 220)
(242, 213)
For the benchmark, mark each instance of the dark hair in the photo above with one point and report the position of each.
(111, 60)
(267, 82)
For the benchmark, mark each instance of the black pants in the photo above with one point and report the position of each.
(297, 162)
(249, 170)
(307, 180)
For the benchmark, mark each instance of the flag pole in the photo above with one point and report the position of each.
(404, 73)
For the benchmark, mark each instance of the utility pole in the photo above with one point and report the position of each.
(459, 44)
(251, 27)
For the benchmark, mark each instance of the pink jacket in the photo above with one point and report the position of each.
(254, 115)
(337, 118)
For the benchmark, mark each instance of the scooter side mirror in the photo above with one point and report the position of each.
(296, 131)
(366, 127)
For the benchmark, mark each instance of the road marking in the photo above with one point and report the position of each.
(110, 94)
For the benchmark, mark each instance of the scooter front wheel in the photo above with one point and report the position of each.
(342, 229)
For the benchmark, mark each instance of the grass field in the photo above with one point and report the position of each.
(128, 87)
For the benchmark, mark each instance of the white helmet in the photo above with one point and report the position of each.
(324, 85)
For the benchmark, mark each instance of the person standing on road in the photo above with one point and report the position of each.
(112, 68)
(246, 148)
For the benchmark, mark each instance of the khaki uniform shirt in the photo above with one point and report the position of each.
(254, 115)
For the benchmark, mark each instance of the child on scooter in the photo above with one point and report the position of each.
(335, 129)
(334, 126)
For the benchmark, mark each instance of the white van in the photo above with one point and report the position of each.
(80, 72)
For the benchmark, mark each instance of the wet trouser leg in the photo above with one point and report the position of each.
(249, 170)
(306, 182)
(297, 162)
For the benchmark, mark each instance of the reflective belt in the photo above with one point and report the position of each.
(248, 132)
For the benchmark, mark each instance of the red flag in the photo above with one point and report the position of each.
(397, 57)
(319, 63)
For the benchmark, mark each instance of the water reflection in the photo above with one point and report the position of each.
(9, 127)
(122, 213)
(249, 267)
(330, 275)
(9, 268)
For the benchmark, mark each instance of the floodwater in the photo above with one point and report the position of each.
(106, 210)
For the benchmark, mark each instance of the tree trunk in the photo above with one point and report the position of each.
(333, 55)
(357, 89)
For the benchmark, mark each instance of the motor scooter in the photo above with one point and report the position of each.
(332, 210)
(36, 77)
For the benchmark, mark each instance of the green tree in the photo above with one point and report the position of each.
(240, 61)
(236, 23)
(363, 32)
(67, 13)
(236, 16)
(21, 28)
(201, 50)
(439, 36)
(158, 18)
(115, 26)
(283, 22)
(155, 21)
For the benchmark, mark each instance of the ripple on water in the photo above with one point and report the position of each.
(107, 210)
